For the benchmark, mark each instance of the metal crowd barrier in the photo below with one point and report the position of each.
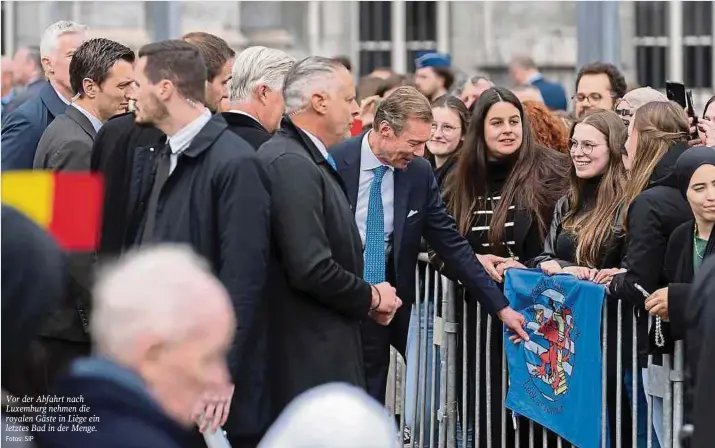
(430, 405)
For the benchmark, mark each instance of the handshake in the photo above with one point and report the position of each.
(384, 303)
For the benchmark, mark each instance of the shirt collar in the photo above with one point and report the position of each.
(368, 160)
(316, 141)
(62, 98)
(180, 141)
(96, 123)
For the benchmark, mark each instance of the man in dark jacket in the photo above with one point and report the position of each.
(32, 284)
(209, 190)
(121, 138)
(256, 93)
(524, 71)
(316, 291)
(22, 129)
(162, 322)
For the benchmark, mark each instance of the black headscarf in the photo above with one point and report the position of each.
(689, 162)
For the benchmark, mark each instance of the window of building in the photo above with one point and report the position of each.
(698, 41)
(652, 41)
(375, 33)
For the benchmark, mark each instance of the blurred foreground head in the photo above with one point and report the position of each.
(161, 313)
(33, 281)
(311, 421)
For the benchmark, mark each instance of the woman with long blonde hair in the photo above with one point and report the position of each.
(658, 135)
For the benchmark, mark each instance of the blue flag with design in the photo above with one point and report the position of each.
(555, 378)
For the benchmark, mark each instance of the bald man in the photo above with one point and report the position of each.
(162, 326)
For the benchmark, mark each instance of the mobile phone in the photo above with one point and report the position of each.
(691, 114)
(675, 91)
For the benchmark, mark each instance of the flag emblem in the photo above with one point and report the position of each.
(550, 355)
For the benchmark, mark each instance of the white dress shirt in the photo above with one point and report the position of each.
(316, 141)
(180, 141)
(368, 163)
(96, 124)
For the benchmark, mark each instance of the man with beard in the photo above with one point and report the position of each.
(121, 138)
(599, 85)
(208, 189)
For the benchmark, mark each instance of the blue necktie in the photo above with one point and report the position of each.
(375, 232)
(331, 162)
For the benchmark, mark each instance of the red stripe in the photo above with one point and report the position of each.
(77, 210)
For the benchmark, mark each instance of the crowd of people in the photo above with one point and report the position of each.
(263, 218)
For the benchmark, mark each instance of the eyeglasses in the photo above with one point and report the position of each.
(447, 129)
(592, 98)
(586, 147)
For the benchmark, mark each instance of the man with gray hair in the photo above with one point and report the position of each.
(315, 289)
(255, 93)
(22, 129)
(162, 326)
(394, 208)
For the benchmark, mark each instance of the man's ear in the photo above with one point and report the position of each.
(319, 103)
(166, 89)
(262, 93)
(386, 130)
(47, 65)
(91, 89)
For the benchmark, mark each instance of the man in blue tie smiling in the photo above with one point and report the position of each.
(396, 201)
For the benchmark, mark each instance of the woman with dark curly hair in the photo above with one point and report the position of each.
(548, 129)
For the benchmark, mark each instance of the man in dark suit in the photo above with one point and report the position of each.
(121, 138)
(100, 72)
(162, 326)
(317, 297)
(22, 129)
(524, 71)
(256, 93)
(207, 188)
(100, 75)
(397, 202)
(27, 70)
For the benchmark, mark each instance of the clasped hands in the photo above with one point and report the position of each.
(384, 303)
(600, 276)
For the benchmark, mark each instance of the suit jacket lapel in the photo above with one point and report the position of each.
(402, 196)
(349, 171)
(79, 118)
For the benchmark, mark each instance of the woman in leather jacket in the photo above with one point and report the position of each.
(586, 238)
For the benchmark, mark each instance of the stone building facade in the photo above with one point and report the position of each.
(482, 36)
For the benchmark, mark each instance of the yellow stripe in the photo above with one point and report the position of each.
(30, 192)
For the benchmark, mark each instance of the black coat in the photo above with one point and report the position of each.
(316, 290)
(652, 217)
(112, 156)
(217, 200)
(702, 355)
(247, 128)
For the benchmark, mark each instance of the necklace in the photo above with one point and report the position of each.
(695, 243)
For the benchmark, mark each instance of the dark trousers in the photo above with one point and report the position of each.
(376, 342)
(46, 358)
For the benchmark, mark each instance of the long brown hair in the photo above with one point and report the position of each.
(535, 182)
(596, 227)
(660, 126)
